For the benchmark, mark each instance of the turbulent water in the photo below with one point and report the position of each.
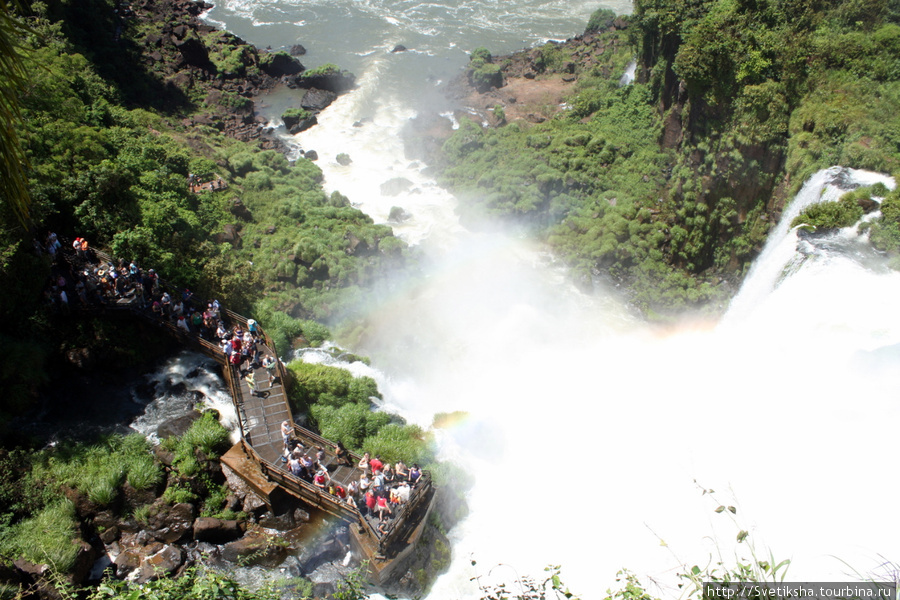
(591, 434)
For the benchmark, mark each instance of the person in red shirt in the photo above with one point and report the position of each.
(375, 464)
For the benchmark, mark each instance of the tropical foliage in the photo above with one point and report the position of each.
(668, 186)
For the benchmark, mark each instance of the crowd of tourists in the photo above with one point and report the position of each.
(102, 282)
(379, 491)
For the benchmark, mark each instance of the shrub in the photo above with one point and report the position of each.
(207, 435)
(832, 215)
(602, 18)
(395, 442)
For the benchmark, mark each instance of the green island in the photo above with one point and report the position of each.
(136, 132)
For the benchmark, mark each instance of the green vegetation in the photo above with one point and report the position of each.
(109, 156)
(482, 71)
(99, 470)
(666, 186)
(833, 215)
(342, 410)
(49, 537)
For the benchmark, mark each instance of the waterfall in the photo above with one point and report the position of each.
(780, 251)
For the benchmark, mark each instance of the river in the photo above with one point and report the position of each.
(592, 434)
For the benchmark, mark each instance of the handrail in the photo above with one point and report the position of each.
(305, 490)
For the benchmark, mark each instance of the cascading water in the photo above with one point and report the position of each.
(585, 428)
(185, 382)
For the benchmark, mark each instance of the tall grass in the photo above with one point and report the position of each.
(45, 538)
(99, 470)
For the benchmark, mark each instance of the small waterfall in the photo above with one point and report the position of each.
(628, 75)
(780, 251)
(182, 384)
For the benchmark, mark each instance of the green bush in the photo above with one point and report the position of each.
(832, 215)
(395, 442)
(602, 18)
(329, 386)
(205, 434)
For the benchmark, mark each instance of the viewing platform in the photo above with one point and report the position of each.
(257, 457)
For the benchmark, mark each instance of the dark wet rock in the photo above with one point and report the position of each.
(162, 563)
(171, 524)
(279, 64)
(317, 100)
(256, 547)
(178, 426)
(297, 50)
(82, 358)
(868, 205)
(311, 155)
(399, 48)
(313, 556)
(216, 531)
(279, 522)
(194, 53)
(332, 80)
(231, 235)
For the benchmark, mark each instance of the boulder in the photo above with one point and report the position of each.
(174, 524)
(398, 215)
(280, 64)
(177, 426)
(256, 547)
(311, 155)
(399, 48)
(240, 210)
(332, 80)
(194, 52)
(231, 235)
(160, 564)
(868, 205)
(395, 186)
(216, 531)
(297, 50)
(317, 100)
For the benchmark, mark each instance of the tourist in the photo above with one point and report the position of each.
(388, 474)
(307, 463)
(286, 430)
(321, 479)
(403, 491)
(401, 471)
(364, 483)
(341, 456)
(414, 474)
(364, 462)
(182, 324)
(295, 467)
(370, 502)
(270, 364)
(378, 482)
(251, 382)
(383, 508)
(375, 464)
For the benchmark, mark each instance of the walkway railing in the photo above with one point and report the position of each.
(401, 526)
